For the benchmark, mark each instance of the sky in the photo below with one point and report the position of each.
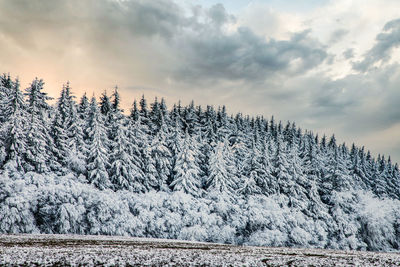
(330, 66)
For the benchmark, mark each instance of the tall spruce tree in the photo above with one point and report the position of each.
(121, 162)
(13, 129)
(162, 156)
(60, 126)
(252, 175)
(84, 107)
(222, 178)
(136, 140)
(76, 134)
(281, 167)
(98, 150)
(186, 171)
(40, 148)
(134, 111)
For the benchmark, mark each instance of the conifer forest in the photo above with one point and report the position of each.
(82, 165)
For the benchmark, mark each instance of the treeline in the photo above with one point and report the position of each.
(202, 153)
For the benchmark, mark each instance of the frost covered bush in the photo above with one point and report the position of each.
(65, 205)
(378, 220)
(18, 203)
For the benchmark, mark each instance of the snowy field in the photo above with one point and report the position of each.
(70, 250)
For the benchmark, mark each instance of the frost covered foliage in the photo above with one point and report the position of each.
(186, 173)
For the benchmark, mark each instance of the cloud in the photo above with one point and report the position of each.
(212, 54)
(266, 21)
(357, 103)
(338, 35)
(349, 53)
(219, 16)
(115, 35)
(386, 41)
(93, 43)
(157, 17)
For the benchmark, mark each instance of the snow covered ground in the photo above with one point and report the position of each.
(73, 250)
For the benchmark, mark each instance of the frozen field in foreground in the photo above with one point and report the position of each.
(70, 250)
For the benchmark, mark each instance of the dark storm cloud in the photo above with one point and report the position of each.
(381, 51)
(201, 47)
(212, 54)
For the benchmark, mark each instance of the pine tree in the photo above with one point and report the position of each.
(143, 107)
(249, 185)
(150, 179)
(252, 175)
(155, 117)
(186, 170)
(13, 129)
(337, 177)
(161, 155)
(208, 125)
(98, 150)
(222, 177)
(176, 115)
(107, 111)
(366, 164)
(6, 86)
(60, 127)
(396, 178)
(392, 183)
(121, 162)
(136, 138)
(77, 145)
(134, 111)
(173, 140)
(39, 150)
(281, 167)
(381, 174)
(241, 148)
(144, 114)
(105, 104)
(84, 107)
(356, 171)
(191, 119)
(297, 192)
(268, 182)
(206, 135)
(116, 101)
(6, 82)
(312, 171)
(223, 124)
(164, 112)
(272, 127)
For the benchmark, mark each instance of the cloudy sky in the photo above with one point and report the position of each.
(330, 66)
